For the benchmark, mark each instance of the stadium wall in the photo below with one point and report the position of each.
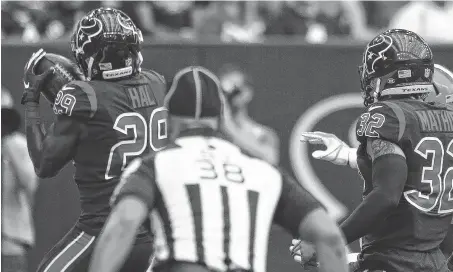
(297, 87)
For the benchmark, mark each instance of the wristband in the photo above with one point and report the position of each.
(32, 114)
(29, 96)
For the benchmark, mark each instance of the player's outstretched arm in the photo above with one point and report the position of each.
(118, 235)
(389, 176)
(133, 198)
(303, 216)
(337, 151)
(247, 140)
(319, 229)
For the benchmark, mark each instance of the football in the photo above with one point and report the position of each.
(65, 72)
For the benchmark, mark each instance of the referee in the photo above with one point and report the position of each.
(211, 205)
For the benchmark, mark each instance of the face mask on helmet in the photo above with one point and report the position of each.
(107, 50)
(396, 63)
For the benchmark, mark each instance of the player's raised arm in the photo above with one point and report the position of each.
(389, 175)
(337, 151)
(303, 216)
(133, 198)
(49, 150)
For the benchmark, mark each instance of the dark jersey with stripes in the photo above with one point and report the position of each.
(121, 120)
(211, 204)
(424, 131)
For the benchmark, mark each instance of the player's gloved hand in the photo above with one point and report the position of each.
(337, 151)
(303, 253)
(33, 82)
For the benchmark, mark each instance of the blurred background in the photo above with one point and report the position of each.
(301, 58)
(241, 21)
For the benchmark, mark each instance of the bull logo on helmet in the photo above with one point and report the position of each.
(125, 22)
(88, 29)
(375, 51)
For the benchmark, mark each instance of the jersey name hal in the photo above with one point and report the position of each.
(121, 120)
(141, 96)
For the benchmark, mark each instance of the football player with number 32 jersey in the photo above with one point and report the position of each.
(405, 157)
(340, 153)
(101, 124)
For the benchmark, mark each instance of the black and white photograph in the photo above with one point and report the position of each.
(227, 136)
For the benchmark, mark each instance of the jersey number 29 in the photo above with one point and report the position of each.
(155, 129)
(438, 183)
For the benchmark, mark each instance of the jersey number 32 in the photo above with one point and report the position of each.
(437, 198)
(154, 129)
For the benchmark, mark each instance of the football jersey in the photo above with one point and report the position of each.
(121, 120)
(214, 204)
(424, 131)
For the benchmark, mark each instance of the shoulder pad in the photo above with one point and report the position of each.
(384, 120)
(158, 85)
(76, 98)
(153, 74)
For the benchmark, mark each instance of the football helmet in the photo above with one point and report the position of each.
(106, 45)
(396, 62)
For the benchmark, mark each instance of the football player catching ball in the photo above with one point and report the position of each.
(101, 125)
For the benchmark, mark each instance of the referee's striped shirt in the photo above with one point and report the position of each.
(212, 204)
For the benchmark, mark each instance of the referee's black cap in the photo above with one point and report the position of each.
(195, 93)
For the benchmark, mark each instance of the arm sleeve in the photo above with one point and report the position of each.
(389, 176)
(52, 150)
(138, 179)
(294, 204)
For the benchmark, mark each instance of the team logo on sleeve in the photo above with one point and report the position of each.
(89, 29)
(376, 52)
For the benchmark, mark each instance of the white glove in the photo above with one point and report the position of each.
(303, 253)
(353, 257)
(337, 151)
